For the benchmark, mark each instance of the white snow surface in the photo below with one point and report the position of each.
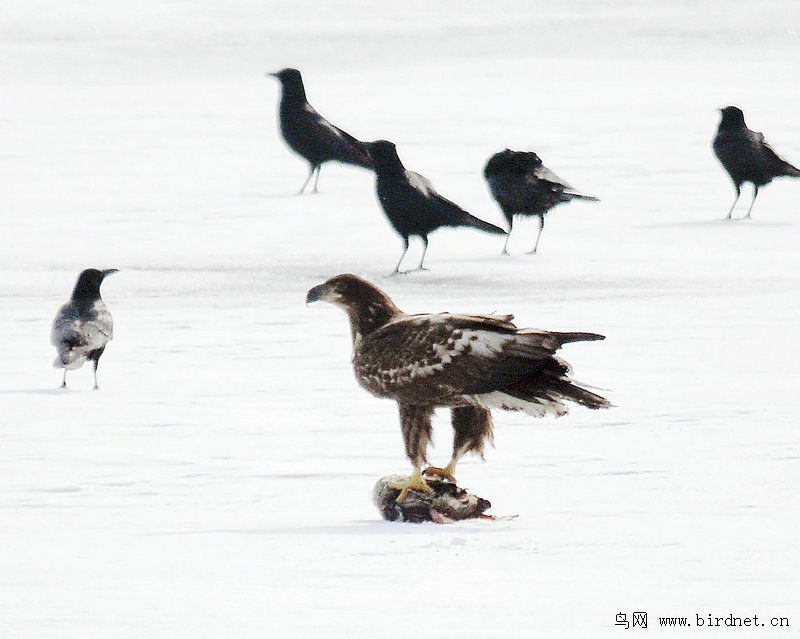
(218, 484)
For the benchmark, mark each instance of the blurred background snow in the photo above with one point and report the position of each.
(218, 483)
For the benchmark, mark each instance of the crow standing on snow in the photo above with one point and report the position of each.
(83, 326)
(522, 185)
(309, 134)
(746, 156)
(412, 204)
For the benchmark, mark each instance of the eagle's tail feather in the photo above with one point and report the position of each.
(551, 384)
(537, 406)
(566, 338)
(567, 389)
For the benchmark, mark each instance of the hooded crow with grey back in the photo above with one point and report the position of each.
(83, 326)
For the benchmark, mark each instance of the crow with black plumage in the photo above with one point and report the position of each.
(309, 134)
(83, 326)
(522, 185)
(746, 156)
(411, 204)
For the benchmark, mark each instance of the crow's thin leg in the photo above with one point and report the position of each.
(96, 362)
(316, 181)
(424, 251)
(508, 237)
(733, 206)
(538, 237)
(400, 261)
(755, 195)
(64, 380)
(308, 179)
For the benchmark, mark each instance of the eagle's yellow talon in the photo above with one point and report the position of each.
(414, 482)
(446, 473)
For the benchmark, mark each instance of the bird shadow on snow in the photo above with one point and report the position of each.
(715, 223)
(275, 196)
(39, 391)
(354, 528)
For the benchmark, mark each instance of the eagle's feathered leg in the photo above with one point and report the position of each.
(415, 423)
(472, 426)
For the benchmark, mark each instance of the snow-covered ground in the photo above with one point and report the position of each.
(218, 483)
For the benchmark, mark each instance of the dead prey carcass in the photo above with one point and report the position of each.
(445, 503)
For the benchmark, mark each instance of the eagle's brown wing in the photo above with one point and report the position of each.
(436, 359)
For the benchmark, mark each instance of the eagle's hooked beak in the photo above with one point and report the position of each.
(315, 294)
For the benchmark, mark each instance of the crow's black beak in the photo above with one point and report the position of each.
(271, 75)
(109, 271)
(315, 294)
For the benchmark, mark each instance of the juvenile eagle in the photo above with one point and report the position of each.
(469, 363)
(83, 326)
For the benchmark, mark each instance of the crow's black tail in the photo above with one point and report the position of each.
(474, 222)
(790, 171)
(581, 196)
(357, 154)
(362, 157)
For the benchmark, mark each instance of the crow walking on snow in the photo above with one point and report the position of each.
(309, 134)
(522, 185)
(83, 326)
(412, 204)
(746, 156)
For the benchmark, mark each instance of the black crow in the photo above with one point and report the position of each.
(522, 185)
(309, 134)
(746, 156)
(412, 204)
(83, 326)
